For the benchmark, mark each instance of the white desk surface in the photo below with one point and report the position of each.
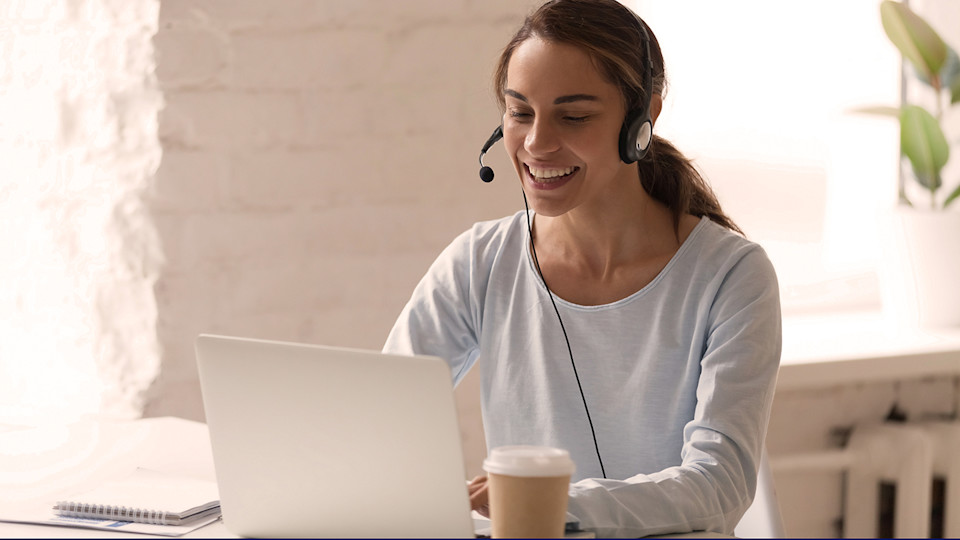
(39, 465)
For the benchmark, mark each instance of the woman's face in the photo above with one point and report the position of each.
(561, 128)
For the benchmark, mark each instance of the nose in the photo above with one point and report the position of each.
(542, 137)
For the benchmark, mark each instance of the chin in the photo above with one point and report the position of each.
(542, 208)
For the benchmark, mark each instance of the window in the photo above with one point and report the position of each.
(760, 95)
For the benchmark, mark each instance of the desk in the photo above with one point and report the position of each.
(38, 465)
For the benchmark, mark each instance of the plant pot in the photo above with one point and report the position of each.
(920, 282)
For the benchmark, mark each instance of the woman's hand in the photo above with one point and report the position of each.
(478, 496)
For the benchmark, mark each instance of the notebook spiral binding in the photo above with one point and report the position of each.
(118, 513)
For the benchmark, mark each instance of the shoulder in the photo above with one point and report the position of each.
(487, 238)
(720, 250)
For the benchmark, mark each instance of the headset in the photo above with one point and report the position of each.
(636, 134)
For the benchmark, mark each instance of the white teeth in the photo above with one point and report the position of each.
(544, 174)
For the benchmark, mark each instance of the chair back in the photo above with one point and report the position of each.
(762, 519)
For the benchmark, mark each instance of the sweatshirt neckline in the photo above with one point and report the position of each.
(684, 247)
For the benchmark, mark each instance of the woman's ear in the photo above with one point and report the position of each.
(656, 105)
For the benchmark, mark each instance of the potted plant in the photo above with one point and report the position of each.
(927, 251)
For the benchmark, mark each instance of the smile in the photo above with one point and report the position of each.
(550, 175)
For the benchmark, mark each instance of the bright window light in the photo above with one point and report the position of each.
(760, 95)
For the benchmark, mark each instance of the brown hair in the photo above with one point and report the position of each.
(610, 33)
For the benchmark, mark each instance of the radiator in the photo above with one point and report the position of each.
(908, 460)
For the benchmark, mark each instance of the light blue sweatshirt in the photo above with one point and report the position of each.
(678, 377)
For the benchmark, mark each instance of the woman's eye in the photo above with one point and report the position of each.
(576, 119)
(519, 114)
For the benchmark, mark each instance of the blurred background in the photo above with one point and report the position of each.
(289, 169)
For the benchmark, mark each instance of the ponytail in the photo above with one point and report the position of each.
(669, 177)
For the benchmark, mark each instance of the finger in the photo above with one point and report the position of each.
(477, 480)
(479, 500)
(477, 483)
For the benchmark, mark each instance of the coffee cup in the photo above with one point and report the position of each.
(528, 489)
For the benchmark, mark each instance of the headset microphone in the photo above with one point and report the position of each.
(486, 173)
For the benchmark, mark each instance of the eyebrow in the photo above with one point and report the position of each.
(559, 101)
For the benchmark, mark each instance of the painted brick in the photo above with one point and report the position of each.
(285, 326)
(181, 398)
(218, 120)
(282, 15)
(306, 15)
(422, 109)
(286, 179)
(190, 58)
(192, 240)
(433, 167)
(362, 326)
(434, 53)
(329, 59)
(270, 286)
(189, 182)
(331, 119)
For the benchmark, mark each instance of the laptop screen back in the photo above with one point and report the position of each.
(321, 441)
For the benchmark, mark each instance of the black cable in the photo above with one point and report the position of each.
(543, 280)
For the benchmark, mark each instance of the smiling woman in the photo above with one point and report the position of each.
(621, 317)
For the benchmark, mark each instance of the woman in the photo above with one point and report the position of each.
(623, 317)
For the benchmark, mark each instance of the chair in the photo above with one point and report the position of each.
(762, 519)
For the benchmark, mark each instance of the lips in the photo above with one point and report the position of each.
(550, 177)
(546, 174)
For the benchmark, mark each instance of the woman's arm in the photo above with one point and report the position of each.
(441, 317)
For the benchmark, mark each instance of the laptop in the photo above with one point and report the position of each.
(332, 442)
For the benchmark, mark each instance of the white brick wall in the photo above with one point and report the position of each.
(78, 148)
(317, 157)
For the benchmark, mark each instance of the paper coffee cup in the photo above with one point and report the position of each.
(527, 487)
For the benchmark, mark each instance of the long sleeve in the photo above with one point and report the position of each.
(442, 317)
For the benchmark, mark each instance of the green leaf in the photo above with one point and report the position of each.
(954, 195)
(918, 41)
(955, 91)
(924, 144)
(950, 74)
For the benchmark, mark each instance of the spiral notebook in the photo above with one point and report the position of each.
(146, 496)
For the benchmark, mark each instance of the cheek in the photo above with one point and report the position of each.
(512, 140)
(604, 145)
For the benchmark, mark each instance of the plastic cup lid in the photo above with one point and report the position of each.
(529, 461)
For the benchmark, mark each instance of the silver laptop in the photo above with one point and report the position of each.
(321, 441)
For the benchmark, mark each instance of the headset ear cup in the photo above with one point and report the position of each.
(644, 137)
(635, 136)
